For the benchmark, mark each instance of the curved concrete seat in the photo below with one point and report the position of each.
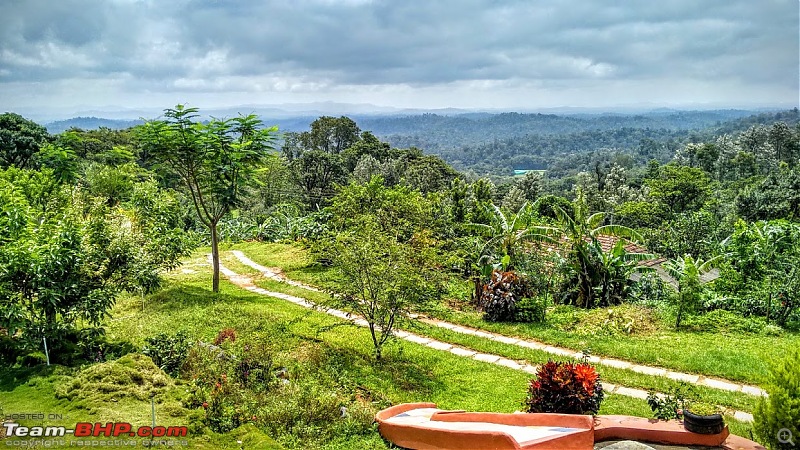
(422, 426)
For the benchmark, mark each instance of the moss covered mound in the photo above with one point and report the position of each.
(131, 377)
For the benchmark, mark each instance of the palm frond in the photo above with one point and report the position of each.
(595, 220)
(480, 228)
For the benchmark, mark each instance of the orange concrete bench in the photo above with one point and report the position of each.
(422, 426)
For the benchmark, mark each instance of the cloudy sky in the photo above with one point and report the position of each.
(402, 53)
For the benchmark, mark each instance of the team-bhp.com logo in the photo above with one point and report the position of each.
(86, 429)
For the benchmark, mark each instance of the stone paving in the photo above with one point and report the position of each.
(699, 380)
(273, 274)
(246, 282)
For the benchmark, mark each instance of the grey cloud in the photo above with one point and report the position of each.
(211, 45)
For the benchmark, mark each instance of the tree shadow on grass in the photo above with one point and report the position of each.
(181, 296)
(11, 378)
(404, 374)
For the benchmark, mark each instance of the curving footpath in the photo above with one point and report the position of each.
(699, 380)
(247, 283)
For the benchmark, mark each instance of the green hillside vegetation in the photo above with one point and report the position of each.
(667, 240)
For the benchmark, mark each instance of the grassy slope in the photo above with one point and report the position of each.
(740, 357)
(410, 372)
(294, 263)
(33, 391)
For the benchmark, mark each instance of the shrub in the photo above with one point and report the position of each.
(567, 388)
(671, 404)
(305, 405)
(623, 320)
(168, 352)
(254, 369)
(8, 348)
(781, 410)
(651, 290)
(723, 321)
(227, 334)
(32, 359)
(223, 400)
(237, 229)
(530, 310)
(501, 293)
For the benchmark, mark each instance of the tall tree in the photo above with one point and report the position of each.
(680, 188)
(316, 158)
(215, 161)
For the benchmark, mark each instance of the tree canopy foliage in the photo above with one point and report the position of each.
(87, 214)
(214, 160)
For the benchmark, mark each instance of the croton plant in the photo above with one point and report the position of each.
(565, 387)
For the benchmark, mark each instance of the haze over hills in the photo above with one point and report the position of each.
(386, 121)
(284, 111)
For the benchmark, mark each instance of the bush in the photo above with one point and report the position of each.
(622, 320)
(781, 410)
(219, 385)
(226, 334)
(310, 401)
(237, 229)
(566, 388)
(32, 359)
(8, 348)
(651, 290)
(168, 352)
(530, 310)
(672, 403)
(501, 293)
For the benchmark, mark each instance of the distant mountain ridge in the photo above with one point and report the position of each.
(90, 123)
(499, 142)
(485, 125)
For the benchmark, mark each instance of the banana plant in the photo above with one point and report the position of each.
(579, 235)
(687, 271)
(506, 235)
(613, 270)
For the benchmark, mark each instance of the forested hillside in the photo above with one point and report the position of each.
(497, 144)
(639, 233)
(491, 143)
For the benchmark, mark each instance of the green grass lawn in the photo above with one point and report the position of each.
(737, 401)
(742, 357)
(732, 400)
(310, 344)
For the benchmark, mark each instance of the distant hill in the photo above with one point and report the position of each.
(440, 132)
(500, 142)
(89, 123)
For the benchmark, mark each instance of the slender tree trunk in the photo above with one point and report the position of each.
(769, 299)
(215, 256)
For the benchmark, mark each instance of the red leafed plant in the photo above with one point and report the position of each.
(567, 388)
(226, 334)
